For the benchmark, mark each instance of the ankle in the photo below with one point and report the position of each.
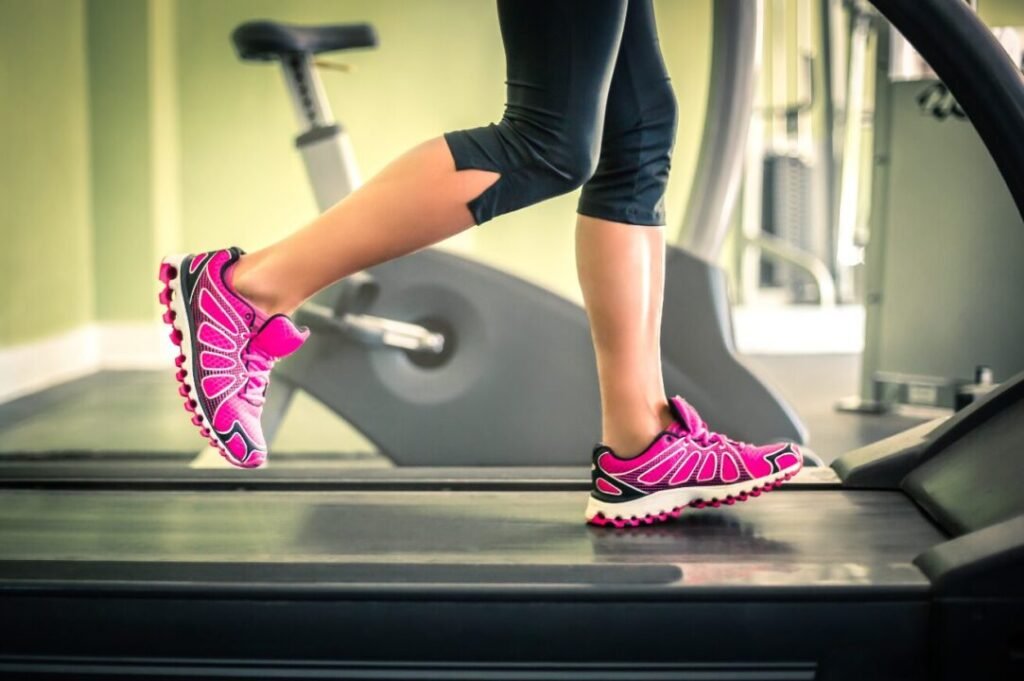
(630, 435)
(252, 280)
(628, 445)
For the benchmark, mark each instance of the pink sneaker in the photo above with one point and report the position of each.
(227, 349)
(686, 465)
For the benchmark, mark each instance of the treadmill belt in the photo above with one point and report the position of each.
(272, 541)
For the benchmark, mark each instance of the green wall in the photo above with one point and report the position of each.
(46, 259)
(121, 163)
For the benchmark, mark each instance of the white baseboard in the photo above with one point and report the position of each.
(41, 364)
(799, 330)
(34, 366)
(135, 346)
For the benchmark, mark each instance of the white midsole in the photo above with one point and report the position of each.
(181, 318)
(669, 499)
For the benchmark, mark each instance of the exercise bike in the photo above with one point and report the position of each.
(441, 360)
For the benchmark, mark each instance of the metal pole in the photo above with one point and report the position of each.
(735, 65)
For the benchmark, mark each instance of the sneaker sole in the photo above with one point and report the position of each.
(660, 506)
(176, 317)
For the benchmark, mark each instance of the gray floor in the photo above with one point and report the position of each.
(120, 414)
(813, 384)
(123, 413)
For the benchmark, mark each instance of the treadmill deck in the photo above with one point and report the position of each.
(485, 541)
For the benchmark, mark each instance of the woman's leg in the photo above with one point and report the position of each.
(559, 57)
(621, 270)
(418, 200)
(620, 246)
(222, 305)
(659, 455)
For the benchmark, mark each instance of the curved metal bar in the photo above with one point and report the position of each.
(372, 330)
(735, 63)
(985, 81)
(783, 250)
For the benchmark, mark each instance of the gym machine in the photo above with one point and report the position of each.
(942, 229)
(785, 234)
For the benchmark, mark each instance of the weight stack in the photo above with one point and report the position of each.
(786, 210)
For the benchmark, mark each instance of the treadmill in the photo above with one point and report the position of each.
(901, 561)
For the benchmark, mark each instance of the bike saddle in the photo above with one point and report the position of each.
(266, 40)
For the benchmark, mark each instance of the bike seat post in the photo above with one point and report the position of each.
(312, 108)
(323, 142)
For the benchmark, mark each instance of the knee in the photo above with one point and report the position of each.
(581, 160)
(643, 148)
(660, 126)
(666, 108)
(632, 176)
(656, 128)
(668, 118)
(535, 161)
(566, 162)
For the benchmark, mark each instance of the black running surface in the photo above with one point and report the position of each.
(504, 542)
(488, 584)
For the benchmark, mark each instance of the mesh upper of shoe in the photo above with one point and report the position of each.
(689, 453)
(234, 346)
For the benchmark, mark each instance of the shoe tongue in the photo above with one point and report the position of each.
(279, 337)
(676, 428)
(687, 417)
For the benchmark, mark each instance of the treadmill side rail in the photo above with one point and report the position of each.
(981, 564)
(977, 601)
(884, 464)
(976, 414)
(971, 478)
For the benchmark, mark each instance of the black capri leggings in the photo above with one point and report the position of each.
(589, 104)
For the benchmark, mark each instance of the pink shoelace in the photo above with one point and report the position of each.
(257, 366)
(706, 437)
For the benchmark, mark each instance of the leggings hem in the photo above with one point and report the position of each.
(629, 215)
(467, 158)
